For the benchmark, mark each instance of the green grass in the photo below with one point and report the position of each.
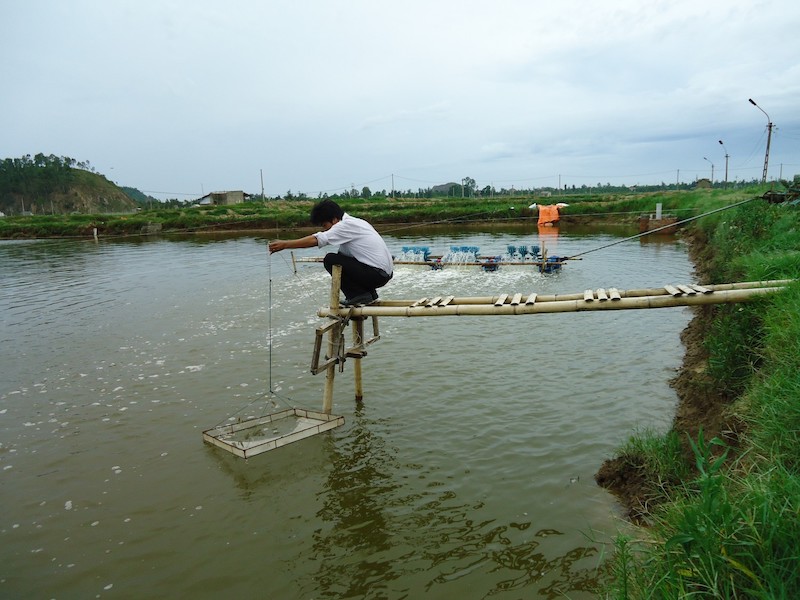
(291, 214)
(659, 455)
(732, 530)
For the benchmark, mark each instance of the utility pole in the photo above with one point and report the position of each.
(726, 162)
(712, 171)
(769, 139)
(262, 184)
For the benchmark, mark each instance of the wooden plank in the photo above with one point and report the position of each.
(686, 289)
(516, 299)
(673, 291)
(501, 300)
(531, 298)
(588, 296)
(701, 289)
(447, 300)
(614, 294)
(420, 302)
(329, 362)
(376, 334)
(320, 331)
(601, 295)
(434, 301)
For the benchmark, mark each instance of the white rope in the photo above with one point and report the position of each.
(271, 394)
(633, 237)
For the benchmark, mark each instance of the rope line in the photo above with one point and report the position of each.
(633, 237)
(271, 395)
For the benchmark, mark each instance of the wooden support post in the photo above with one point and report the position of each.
(544, 259)
(358, 341)
(333, 340)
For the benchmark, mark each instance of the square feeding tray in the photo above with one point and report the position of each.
(261, 434)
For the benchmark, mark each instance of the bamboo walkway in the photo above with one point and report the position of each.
(531, 303)
(336, 353)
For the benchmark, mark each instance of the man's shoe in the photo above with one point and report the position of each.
(361, 299)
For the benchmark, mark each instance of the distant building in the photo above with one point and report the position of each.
(223, 198)
(704, 183)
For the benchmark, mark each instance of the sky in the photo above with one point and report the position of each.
(179, 98)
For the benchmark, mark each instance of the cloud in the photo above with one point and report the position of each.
(424, 114)
(319, 95)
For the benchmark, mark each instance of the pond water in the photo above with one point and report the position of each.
(467, 471)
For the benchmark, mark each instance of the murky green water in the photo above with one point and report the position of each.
(467, 472)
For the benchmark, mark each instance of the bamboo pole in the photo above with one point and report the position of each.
(358, 341)
(333, 340)
(555, 306)
(635, 293)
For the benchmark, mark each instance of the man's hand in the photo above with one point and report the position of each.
(277, 246)
(310, 241)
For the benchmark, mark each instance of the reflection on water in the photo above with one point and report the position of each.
(467, 471)
(391, 532)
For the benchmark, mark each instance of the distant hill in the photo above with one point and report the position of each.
(138, 196)
(51, 184)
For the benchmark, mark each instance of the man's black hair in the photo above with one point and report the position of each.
(326, 211)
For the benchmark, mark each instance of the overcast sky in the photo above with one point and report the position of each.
(183, 97)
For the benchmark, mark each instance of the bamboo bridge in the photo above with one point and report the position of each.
(502, 304)
(247, 438)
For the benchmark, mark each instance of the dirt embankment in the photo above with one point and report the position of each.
(700, 405)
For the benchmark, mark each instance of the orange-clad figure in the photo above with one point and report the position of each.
(548, 214)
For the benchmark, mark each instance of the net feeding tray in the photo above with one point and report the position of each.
(261, 434)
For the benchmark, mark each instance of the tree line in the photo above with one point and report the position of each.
(38, 176)
(468, 189)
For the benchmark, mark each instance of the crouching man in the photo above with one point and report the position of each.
(365, 259)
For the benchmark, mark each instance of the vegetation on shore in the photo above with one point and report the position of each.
(720, 492)
(291, 214)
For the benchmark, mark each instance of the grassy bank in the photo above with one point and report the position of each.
(283, 214)
(727, 500)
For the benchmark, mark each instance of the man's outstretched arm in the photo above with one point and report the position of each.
(310, 241)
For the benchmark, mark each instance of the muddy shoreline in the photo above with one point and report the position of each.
(700, 405)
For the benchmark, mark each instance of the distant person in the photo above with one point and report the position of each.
(365, 259)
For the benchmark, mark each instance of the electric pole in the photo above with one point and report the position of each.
(769, 138)
(726, 162)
